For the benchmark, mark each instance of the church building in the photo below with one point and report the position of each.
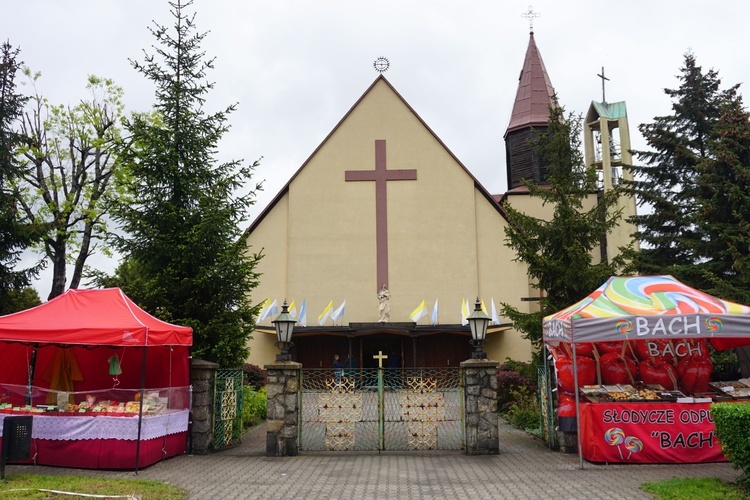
(383, 207)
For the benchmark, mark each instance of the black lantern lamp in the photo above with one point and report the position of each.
(478, 322)
(284, 324)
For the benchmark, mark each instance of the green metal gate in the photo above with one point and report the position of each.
(547, 407)
(227, 408)
(381, 409)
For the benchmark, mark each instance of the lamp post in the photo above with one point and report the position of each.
(284, 324)
(478, 322)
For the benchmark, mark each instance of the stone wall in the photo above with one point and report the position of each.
(480, 404)
(282, 438)
(203, 380)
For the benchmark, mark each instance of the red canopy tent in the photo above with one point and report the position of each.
(92, 327)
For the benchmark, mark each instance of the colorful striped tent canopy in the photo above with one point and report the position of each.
(649, 307)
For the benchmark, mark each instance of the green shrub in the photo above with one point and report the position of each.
(524, 412)
(254, 406)
(511, 376)
(732, 421)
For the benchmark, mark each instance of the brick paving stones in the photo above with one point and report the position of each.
(524, 469)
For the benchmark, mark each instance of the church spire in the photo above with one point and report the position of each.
(530, 111)
(534, 95)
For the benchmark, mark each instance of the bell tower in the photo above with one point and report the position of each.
(606, 139)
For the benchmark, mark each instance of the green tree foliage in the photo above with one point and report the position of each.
(183, 214)
(70, 161)
(666, 185)
(14, 235)
(19, 300)
(560, 251)
(723, 211)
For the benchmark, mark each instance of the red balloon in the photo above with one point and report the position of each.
(605, 347)
(586, 350)
(658, 348)
(695, 373)
(566, 405)
(617, 370)
(586, 372)
(692, 347)
(658, 371)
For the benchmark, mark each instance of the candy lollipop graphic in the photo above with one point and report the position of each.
(615, 437)
(633, 444)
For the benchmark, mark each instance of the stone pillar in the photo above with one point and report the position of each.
(480, 406)
(203, 380)
(283, 409)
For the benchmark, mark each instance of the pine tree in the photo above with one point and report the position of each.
(559, 252)
(14, 235)
(181, 215)
(723, 205)
(666, 184)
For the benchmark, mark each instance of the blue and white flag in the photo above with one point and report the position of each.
(302, 321)
(434, 317)
(338, 312)
(495, 317)
(271, 310)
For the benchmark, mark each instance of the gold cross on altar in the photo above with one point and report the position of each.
(380, 357)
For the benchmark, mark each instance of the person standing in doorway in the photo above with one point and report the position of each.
(337, 368)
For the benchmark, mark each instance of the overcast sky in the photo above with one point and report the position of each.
(295, 67)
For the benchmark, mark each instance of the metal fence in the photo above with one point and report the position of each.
(547, 407)
(227, 408)
(381, 409)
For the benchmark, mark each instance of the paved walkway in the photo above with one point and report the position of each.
(524, 469)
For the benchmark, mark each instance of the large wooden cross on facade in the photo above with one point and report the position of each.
(381, 175)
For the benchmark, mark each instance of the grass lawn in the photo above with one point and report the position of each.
(29, 486)
(695, 488)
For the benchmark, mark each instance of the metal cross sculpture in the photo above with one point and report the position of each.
(531, 15)
(604, 98)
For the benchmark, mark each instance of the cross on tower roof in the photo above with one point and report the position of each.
(604, 98)
(531, 15)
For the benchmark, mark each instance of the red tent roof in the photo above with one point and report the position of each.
(92, 317)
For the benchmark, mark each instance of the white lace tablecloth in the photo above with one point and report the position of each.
(71, 428)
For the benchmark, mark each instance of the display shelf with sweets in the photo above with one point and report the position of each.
(670, 396)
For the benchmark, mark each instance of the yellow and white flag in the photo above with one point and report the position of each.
(325, 314)
(464, 312)
(293, 309)
(419, 313)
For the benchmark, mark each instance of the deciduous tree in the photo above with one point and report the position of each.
(70, 160)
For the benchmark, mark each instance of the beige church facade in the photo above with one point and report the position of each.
(382, 201)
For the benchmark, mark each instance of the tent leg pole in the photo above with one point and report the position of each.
(140, 411)
(32, 369)
(578, 407)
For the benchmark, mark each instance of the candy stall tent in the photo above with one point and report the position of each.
(646, 308)
(79, 335)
